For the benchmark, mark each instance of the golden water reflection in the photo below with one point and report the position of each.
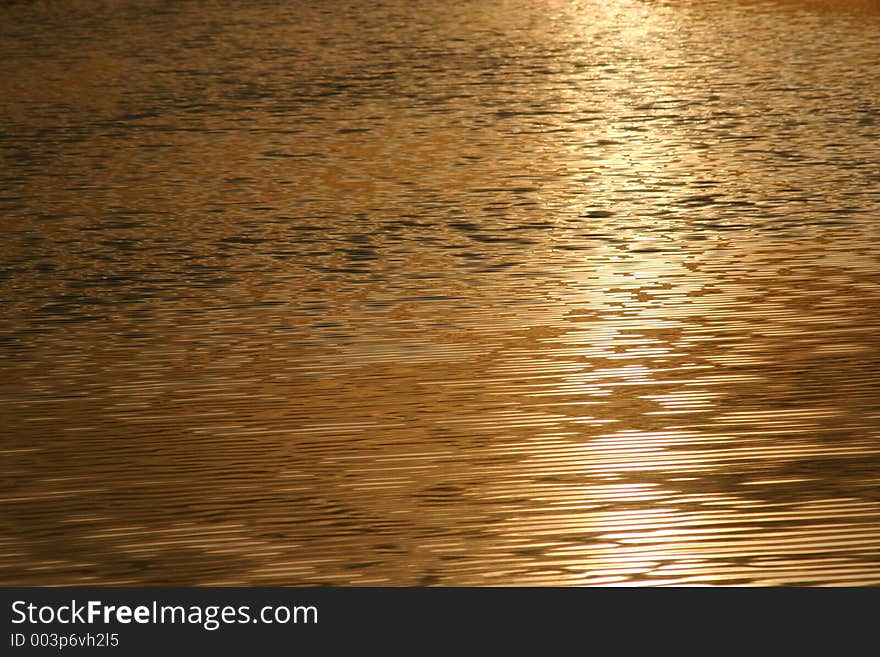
(509, 293)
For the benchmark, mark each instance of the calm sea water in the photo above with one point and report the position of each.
(482, 292)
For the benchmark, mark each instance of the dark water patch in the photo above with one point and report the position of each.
(243, 240)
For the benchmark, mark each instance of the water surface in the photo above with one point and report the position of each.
(417, 292)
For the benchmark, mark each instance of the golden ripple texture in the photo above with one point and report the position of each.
(429, 293)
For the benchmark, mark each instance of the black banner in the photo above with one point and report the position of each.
(134, 621)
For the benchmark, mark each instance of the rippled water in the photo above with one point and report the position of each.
(487, 292)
